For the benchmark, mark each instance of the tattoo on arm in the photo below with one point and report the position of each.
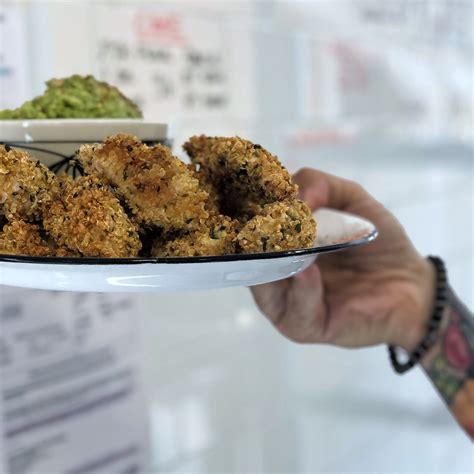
(450, 363)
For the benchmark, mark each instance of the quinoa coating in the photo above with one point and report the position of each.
(233, 204)
(246, 210)
(285, 225)
(88, 219)
(215, 238)
(22, 238)
(212, 203)
(158, 188)
(233, 198)
(24, 185)
(242, 173)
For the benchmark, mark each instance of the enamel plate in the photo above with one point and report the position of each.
(336, 231)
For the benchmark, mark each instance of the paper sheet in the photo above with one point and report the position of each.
(71, 384)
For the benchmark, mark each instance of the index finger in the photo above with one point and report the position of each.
(321, 189)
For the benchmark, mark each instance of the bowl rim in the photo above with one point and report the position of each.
(54, 121)
(78, 130)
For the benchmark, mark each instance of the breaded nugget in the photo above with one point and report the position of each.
(24, 185)
(87, 218)
(246, 209)
(242, 174)
(158, 188)
(215, 238)
(237, 206)
(22, 238)
(212, 203)
(282, 225)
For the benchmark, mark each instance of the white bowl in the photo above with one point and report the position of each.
(57, 139)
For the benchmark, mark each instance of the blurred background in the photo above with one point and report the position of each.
(376, 91)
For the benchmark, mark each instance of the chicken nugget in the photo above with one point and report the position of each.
(244, 175)
(238, 206)
(158, 188)
(212, 203)
(87, 218)
(285, 225)
(24, 185)
(215, 238)
(22, 238)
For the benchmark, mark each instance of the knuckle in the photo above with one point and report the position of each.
(288, 328)
(356, 187)
(305, 172)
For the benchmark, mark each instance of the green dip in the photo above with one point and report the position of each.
(76, 97)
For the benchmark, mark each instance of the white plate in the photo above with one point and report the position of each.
(336, 231)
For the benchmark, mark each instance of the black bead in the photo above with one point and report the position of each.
(433, 325)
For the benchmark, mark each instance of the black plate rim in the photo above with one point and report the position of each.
(76, 261)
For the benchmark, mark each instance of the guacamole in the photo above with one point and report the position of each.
(76, 97)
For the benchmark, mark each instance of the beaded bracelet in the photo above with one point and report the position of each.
(432, 333)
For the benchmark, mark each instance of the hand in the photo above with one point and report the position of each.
(381, 292)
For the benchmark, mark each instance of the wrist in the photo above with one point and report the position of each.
(427, 360)
(416, 306)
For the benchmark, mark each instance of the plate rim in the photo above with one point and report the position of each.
(98, 261)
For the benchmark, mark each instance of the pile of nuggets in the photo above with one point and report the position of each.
(139, 200)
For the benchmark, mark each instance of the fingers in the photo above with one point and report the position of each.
(305, 317)
(295, 306)
(271, 298)
(321, 189)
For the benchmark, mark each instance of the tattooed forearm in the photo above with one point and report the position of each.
(450, 363)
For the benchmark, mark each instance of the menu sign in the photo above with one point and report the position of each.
(71, 389)
(175, 65)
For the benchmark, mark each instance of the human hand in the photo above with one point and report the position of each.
(381, 292)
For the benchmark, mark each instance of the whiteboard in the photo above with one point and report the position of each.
(174, 63)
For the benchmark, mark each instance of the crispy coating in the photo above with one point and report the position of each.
(158, 188)
(240, 207)
(282, 225)
(25, 185)
(87, 218)
(22, 238)
(246, 209)
(217, 237)
(234, 197)
(212, 203)
(242, 174)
